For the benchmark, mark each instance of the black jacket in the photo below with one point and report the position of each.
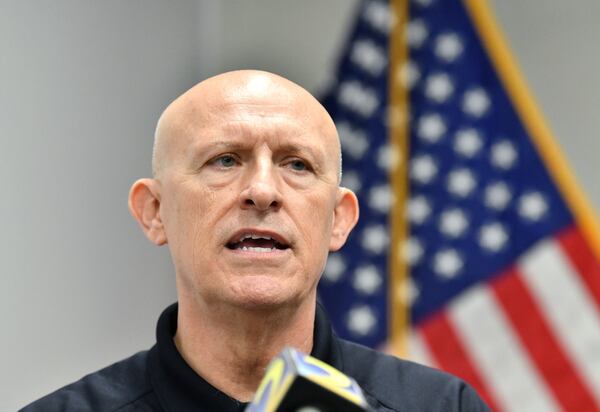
(160, 380)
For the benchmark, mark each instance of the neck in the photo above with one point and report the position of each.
(230, 347)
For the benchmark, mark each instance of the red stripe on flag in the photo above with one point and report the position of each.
(581, 256)
(542, 346)
(449, 353)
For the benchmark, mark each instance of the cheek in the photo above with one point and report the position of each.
(186, 219)
(317, 222)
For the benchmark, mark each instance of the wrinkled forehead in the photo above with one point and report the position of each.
(255, 106)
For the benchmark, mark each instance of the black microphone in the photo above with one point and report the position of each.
(295, 382)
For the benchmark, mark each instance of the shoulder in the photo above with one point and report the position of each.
(396, 383)
(109, 389)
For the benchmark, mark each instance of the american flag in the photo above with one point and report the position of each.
(499, 247)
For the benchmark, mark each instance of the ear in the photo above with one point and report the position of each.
(345, 216)
(144, 205)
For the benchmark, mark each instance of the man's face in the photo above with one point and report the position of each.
(248, 194)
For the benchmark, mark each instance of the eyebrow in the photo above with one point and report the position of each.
(288, 147)
(237, 139)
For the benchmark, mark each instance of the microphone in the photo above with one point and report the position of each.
(295, 382)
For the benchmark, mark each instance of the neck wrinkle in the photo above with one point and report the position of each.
(231, 347)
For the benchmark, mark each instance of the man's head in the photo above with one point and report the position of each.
(245, 191)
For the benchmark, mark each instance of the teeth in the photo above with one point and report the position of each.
(258, 249)
(253, 236)
(261, 237)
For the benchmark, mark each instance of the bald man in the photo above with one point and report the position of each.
(246, 195)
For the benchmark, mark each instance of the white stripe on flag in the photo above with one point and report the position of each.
(497, 353)
(569, 308)
(418, 350)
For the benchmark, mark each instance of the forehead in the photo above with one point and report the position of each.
(260, 117)
(261, 100)
(257, 111)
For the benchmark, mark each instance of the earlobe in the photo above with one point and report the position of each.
(144, 205)
(344, 219)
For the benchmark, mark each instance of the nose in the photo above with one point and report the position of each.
(261, 191)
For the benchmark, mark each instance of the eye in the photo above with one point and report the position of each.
(225, 161)
(298, 165)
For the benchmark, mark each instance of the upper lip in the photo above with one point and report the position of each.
(239, 234)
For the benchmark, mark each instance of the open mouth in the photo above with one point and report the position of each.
(252, 242)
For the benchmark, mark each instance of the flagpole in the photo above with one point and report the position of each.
(399, 143)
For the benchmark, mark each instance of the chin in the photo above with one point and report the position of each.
(262, 294)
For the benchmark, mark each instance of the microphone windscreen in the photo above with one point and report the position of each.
(295, 382)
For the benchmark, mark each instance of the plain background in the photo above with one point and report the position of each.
(83, 83)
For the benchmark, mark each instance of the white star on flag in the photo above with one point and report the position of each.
(375, 239)
(431, 127)
(504, 155)
(493, 237)
(476, 102)
(418, 209)
(532, 206)
(447, 263)
(438, 87)
(497, 196)
(468, 142)
(461, 182)
(453, 222)
(423, 169)
(334, 268)
(416, 33)
(367, 279)
(448, 47)
(361, 320)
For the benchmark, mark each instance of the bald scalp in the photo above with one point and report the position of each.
(227, 89)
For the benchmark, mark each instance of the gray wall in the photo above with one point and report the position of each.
(82, 85)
